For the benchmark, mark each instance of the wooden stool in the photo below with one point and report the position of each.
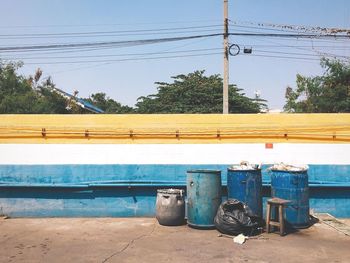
(278, 221)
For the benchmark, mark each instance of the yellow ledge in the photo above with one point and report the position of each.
(176, 128)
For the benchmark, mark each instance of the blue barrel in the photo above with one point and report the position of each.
(246, 186)
(203, 197)
(292, 186)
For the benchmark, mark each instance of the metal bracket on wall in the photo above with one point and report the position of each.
(43, 132)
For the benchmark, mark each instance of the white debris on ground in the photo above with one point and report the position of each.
(240, 239)
(288, 167)
(244, 165)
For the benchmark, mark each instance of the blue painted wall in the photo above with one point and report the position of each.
(130, 190)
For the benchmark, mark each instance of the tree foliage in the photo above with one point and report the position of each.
(26, 95)
(19, 94)
(195, 93)
(191, 93)
(329, 93)
(108, 105)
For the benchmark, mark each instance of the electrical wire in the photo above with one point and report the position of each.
(333, 41)
(290, 35)
(299, 36)
(261, 29)
(309, 49)
(175, 30)
(108, 63)
(283, 46)
(114, 55)
(285, 57)
(293, 28)
(120, 60)
(300, 46)
(301, 54)
(64, 50)
(110, 32)
(111, 24)
(109, 35)
(106, 43)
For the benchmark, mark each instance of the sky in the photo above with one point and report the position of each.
(127, 72)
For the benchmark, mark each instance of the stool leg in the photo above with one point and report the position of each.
(281, 219)
(276, 218)
(268, 216)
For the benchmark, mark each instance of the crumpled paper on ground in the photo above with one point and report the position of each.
(240, 239)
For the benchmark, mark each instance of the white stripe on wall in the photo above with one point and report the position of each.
(173, 153)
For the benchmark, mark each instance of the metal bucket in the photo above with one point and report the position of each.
(246, 186)
(170, 207)
(203, 197)
(293, 186)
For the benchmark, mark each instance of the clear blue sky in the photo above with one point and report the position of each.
(125, 81)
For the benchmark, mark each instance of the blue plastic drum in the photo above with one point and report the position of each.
(203, 197)
(293, 186)
(246, 186)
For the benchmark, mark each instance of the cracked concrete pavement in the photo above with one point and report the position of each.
(144, 240)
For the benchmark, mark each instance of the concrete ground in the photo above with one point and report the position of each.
(144, 240)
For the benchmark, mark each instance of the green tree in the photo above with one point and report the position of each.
(195, 93)
(49, 101)
(329, 93)
(108, 105)
(15, 92)
(26, 95)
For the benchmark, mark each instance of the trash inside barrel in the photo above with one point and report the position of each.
(244, 183)
(203, 197)
(290, 182)
(170, 207)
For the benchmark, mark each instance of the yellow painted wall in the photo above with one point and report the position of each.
(175, 128)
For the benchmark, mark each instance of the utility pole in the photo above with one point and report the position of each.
(226, 65)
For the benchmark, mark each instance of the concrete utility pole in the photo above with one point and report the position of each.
(226, 54)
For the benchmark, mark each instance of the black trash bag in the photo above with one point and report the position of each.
(234, 217)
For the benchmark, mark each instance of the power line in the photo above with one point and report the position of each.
(111, 24)
(108, 63)
(169, 52)
(89, 49)
(117, 55)
(107, 33)
(310, 48)
(299, 37)
(94, 46)
(334, 40)
(284, 57)
(107, 43)
(301, 46)
(120, 60)
(302, 54)
(275, 45)
(289, 35)
(64, 50)
(314, 37)
(293, 28)
(261, 29)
